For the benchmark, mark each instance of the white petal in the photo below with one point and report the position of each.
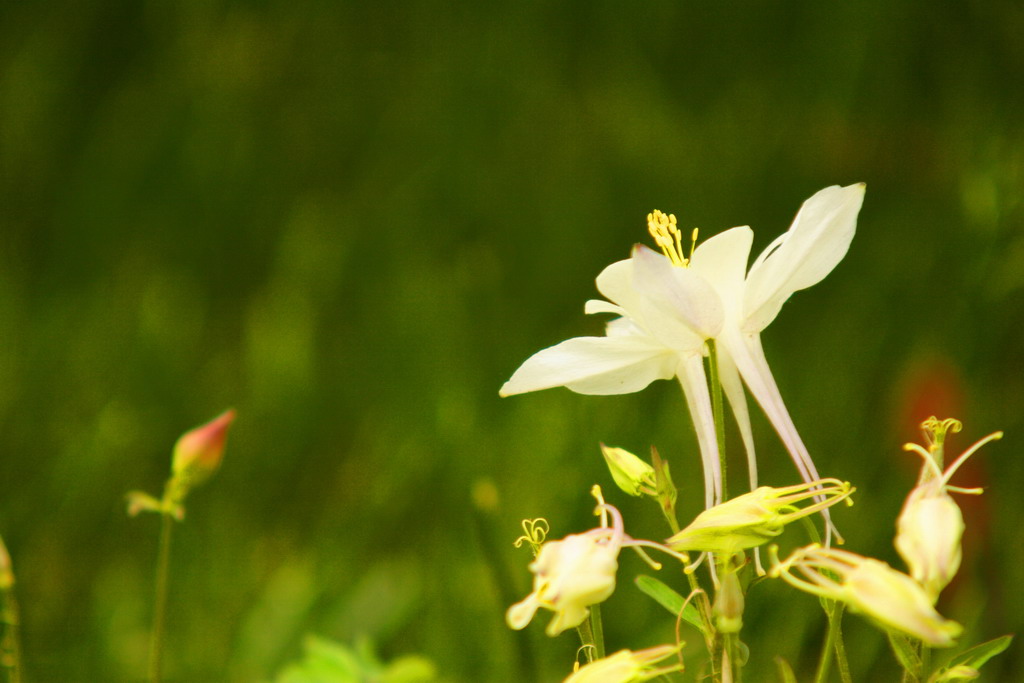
(599, 306)
(615, 282)
(747, 353)
(594, 365)
(698, 400)
(521, 613)
(680, 294)
(624, 327)
(722, 261)
(818, 239)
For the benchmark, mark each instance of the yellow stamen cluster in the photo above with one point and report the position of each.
(668, 238)
(536, 530)
(935, 430)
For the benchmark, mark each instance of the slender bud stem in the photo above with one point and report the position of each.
(156, 642)
(597, 629)
(10, 646)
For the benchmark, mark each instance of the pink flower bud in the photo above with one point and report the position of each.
(198, 453)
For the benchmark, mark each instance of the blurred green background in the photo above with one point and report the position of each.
(352, 222)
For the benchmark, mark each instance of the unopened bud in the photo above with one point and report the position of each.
(6, 568)
(198, 452)
(729, 603)
(630, 473)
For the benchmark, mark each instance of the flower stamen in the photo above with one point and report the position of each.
(535, 531)
(666, 235)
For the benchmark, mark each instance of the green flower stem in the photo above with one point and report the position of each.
(703, 605)
(597, 630)
(732, 651)
(156, 643)
(717, 410)
(833, 644)
(10, 647)
(842, 663)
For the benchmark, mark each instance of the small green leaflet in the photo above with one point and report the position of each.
(669, 599)
(970, 660)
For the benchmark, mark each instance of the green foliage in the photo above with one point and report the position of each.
(786, 674)
(670, 600)
(352, 222)
(965, 666)
(326, 661)
(907, 652)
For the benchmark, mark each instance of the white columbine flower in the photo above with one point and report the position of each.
(669, 306)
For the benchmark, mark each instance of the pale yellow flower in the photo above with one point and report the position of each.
(871, 587)
(757, 517)
(930, 526)
(626, 666)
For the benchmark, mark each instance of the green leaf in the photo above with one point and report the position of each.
(906, 653)
(964, 666)
(670, 600)
(410, 669)
(976, 656)
(785, 670)
(326, 661)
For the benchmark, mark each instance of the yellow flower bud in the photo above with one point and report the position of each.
(757, 517)
(630, 473)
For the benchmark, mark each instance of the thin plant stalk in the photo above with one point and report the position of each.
(156, 642)
(842, 663)
(732, 652)
(10, 648)
(597, 630)
(717, 411)
(833, 645)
